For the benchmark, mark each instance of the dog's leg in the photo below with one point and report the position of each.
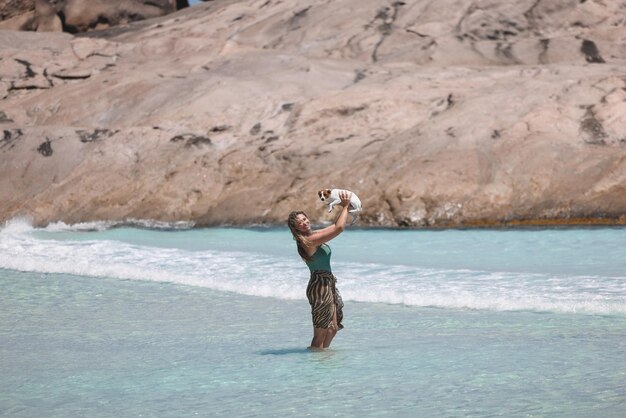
(331, 205)
(355, 208)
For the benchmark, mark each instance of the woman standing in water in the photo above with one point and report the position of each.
(326, 303)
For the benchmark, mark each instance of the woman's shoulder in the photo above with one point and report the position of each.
(319, 248)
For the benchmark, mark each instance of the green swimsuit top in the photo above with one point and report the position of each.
(321, 259)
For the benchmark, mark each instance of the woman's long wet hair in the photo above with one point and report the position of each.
(300, 239)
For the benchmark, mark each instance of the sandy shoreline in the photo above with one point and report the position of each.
(587, 222)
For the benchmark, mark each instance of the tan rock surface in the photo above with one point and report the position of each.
(437, 113)
(17, 15)
(80, 15)
(12, 8)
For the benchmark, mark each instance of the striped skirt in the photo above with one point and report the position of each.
(324, 299)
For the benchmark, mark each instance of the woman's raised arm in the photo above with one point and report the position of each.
(321, 236)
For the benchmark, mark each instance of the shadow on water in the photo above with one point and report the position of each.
(326, 353)
(327, 357)
(284, 351)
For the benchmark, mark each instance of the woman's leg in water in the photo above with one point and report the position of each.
(331, 331)
(322, 337)
(319, 336)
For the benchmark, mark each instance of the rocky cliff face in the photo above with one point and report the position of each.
(437, 113)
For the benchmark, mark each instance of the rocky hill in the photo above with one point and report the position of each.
(437, 113)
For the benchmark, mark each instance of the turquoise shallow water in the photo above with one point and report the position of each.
(140, 322)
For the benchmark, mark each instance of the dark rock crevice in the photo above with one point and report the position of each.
(349, 110)
(9, 136)
(530, 17)
(544, 45)
(256, 129)
(591, 52)
(192, 140)
(294, 21)
(386, 27)
(4, 118)
(29, 70)
(592, 128)
(95, 135)
(45, 148)
(31, 80)
(506, 51)
(358, 76)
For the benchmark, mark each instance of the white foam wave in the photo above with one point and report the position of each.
(16, 226)
(467, 289)
(493, 302)
(24, 225)
(20, 250)
(82, 226)
(273, 276)
(152, 224)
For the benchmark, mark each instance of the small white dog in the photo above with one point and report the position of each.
(331, 197)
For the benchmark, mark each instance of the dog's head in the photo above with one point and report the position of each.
(323, 194)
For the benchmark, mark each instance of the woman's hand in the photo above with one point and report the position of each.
(323, 235)
(345, 196)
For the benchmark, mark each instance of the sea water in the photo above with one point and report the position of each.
(165, 320)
